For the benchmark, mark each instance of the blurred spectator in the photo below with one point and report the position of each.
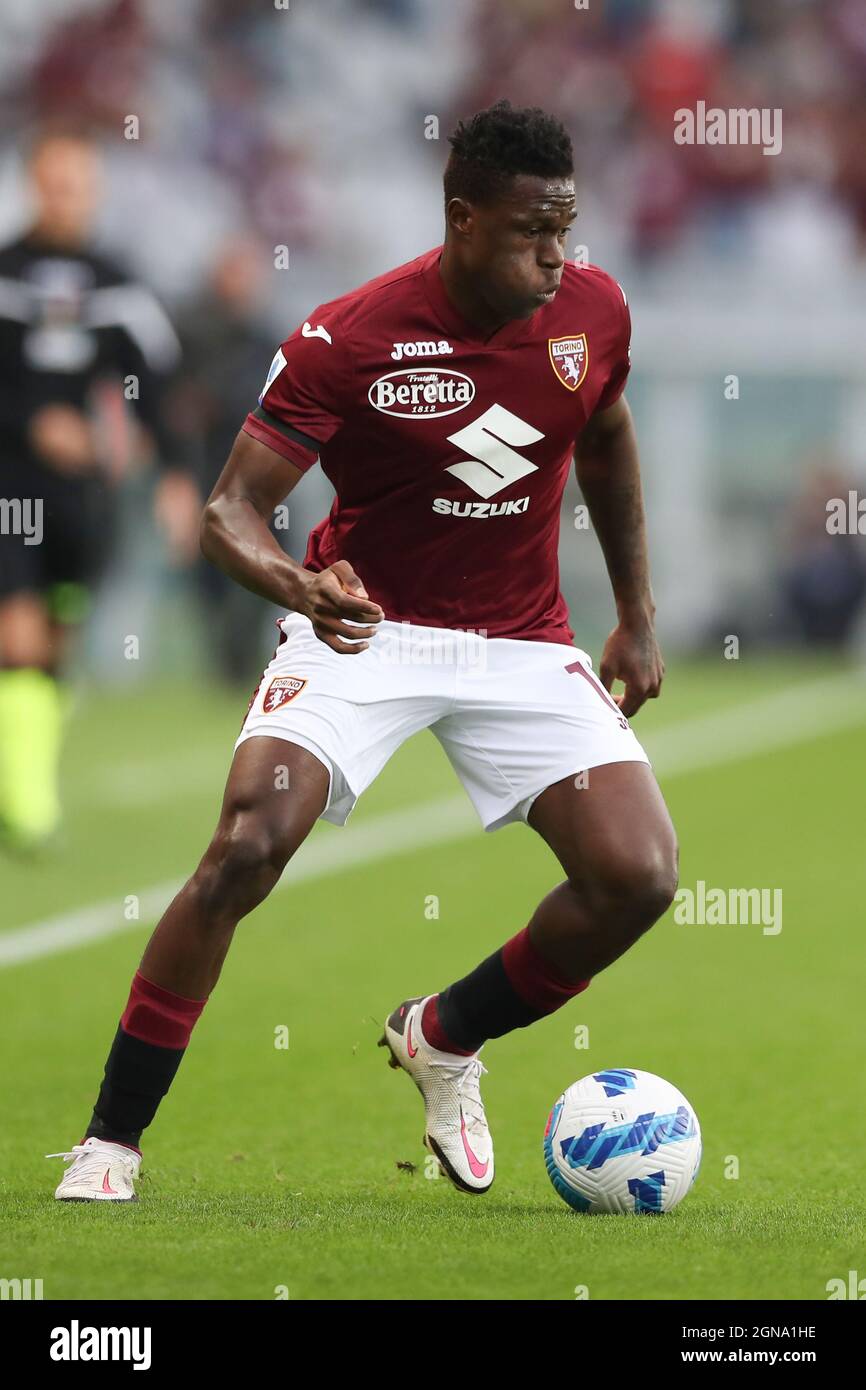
(245, 93)
(70, 322)
(824, 575)
(226, 355)
(622, 69)
(308, 127)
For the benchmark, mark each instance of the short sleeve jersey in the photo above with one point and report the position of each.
(448, 451)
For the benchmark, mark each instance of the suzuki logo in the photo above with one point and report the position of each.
(495, 464)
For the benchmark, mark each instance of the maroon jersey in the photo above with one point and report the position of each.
(448, 452)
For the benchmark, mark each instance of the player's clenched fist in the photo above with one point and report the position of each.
(336, 603)
(631, 654)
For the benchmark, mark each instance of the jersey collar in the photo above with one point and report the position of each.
(454, 322)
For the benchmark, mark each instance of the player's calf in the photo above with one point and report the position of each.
(188, 948)
(591, 919)
(617, 847)
(265, 819)
(259, 830)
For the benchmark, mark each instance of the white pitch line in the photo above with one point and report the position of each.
(716, 738)
(762, 725)
(433, 822)
(143, 782)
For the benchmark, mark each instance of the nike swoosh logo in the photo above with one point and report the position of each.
(106, 1185)
(476, 1168)
(318, 332)
(409, 1048)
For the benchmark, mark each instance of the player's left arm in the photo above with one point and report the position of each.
(148, 352)
(608, 471)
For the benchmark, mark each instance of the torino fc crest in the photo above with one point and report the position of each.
(280, 691)
(570, 359)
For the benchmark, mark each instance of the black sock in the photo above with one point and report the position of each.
(512, 988)
(147, 1050)
(484, 1004)
(137, 1076)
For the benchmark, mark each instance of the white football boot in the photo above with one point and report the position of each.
(456, 1130)
(98, 1172)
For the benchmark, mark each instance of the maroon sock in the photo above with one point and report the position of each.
(534, 978)
(435, 1034)
(512, 988)
(147, 1050)
(155, 1015)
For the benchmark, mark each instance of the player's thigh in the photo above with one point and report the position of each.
(611, 831)
(25, 629)
(275, 792)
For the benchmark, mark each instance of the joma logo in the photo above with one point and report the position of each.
(427, 348)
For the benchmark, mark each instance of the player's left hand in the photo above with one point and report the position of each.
(631, 654)
(177, 507)
(63, 438)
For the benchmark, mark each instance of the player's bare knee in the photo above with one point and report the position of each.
(656, 890)
(242, 865)
(634, 888)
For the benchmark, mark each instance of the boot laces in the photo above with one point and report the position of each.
(467, 1073)
(87, 1161)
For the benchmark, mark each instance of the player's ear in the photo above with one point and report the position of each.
(460, 216)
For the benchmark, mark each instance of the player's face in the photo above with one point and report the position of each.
(65, 175)
(515, 248)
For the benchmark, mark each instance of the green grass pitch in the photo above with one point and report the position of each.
(274, 1169)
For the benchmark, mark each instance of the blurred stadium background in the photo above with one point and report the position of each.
(309, 129)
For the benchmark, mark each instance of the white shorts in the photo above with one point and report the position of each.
(513, 716)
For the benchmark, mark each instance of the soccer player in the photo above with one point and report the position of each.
(69, 320)
(445, 401)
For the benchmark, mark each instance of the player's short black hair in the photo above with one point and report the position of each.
(495, 145)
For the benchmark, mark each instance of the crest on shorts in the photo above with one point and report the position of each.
(569, 358)
(280, 691)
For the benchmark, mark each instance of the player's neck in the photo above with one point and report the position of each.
(45, 233)
(464, 296)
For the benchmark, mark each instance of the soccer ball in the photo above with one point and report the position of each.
(622, 1141)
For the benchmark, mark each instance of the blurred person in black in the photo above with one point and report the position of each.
(71, 322)
(823, 573)
(224, 343)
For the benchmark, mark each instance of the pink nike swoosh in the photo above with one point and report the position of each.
(106, 1185)
(409, 1048)
(476, 1168)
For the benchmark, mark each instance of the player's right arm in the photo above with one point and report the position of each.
(236, 536)
(301, 408)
